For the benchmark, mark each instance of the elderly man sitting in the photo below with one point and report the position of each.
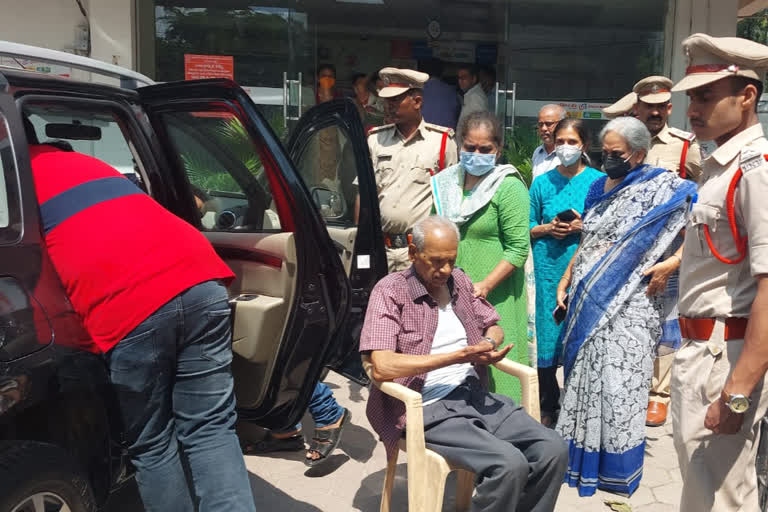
(426, 330)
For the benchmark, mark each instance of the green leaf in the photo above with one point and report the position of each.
(618, 506)
(519, 149)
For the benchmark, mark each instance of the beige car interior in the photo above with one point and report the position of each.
(345, 244)
(262, 295)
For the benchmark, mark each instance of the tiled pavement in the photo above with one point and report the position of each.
(351, 480)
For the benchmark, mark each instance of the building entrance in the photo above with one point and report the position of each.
(581, 52)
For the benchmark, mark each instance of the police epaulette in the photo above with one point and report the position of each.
(377, 129)
(682, 134)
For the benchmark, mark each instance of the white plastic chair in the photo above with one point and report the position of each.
(427, 471)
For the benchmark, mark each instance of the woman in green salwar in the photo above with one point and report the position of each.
(490, 204)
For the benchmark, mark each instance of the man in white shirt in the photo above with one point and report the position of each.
(475, 99)
(544, 158)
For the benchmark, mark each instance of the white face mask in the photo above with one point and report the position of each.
(568, 155)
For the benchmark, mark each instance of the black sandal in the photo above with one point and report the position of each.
(325, 441)
(274, 444)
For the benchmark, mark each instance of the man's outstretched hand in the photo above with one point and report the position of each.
(483, 353)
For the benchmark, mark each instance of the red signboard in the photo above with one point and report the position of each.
(208, 66)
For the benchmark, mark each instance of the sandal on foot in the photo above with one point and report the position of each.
(274, 444)
(325, 441)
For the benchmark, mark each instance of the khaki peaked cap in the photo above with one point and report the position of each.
(714, 58)
(397, 81)
(621, 107)
(654, 89)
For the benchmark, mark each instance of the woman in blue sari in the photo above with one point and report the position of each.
(619, 308)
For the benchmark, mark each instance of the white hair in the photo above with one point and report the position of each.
(632, 130)
(433, 222)
(557, 109)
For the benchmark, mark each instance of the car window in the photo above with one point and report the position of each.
(10, 208)
(327, 165)
(5, 150)
(93, 130)
(224, 168)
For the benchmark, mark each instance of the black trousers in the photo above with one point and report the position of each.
(549, 392)
(519, 463)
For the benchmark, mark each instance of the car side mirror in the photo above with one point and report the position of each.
(331, 204)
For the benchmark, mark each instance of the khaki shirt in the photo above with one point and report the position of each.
(403, 168)
(708, 287)
(667, 149)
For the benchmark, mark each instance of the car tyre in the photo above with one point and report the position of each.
(35, 475)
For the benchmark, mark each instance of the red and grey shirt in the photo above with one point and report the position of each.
(119, 254)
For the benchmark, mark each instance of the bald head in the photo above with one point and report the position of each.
(433, 251)
(433, 228)
(549, 116)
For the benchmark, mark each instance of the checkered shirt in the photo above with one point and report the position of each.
(402, 317)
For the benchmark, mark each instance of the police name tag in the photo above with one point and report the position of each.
(750, 160)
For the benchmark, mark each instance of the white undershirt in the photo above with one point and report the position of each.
(449, 337)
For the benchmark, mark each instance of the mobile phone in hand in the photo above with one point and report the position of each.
(567, 215)
(559, 313)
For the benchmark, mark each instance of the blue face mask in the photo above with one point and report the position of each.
(478, 164)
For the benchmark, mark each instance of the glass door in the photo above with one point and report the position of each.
(505, 89)
(267, 49)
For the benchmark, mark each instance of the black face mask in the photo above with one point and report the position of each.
(616, 167)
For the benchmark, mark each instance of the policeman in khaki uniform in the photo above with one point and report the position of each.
(623, 107)
(671, 148)
(406, 154)
(675, 150)
(718, 389)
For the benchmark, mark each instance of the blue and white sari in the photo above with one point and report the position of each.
(613, 328)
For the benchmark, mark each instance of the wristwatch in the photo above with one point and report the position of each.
(738, 404)
(491, 341)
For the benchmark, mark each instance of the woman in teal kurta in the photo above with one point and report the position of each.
(490, 203)
(554, 242)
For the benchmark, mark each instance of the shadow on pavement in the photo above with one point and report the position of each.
(265, 495)
(268, 497)
(333, 463)
(368, 497)
(355, 392)
(358, 442)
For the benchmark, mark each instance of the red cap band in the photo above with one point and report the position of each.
(657, 91)
(711, 68)
(399, 84)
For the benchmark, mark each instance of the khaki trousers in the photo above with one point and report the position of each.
(662, 375)
(718, 470)
(397, 259)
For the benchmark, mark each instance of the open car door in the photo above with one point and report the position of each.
(330, 151)
(233, 179)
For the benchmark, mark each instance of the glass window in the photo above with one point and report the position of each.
(93, 130)
(229, 183)
(10, 208)
(327, 164)
(5, 150)
(264, 41)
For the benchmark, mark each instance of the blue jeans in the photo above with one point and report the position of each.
(172, 378)
(325, 410)
(323, 407)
